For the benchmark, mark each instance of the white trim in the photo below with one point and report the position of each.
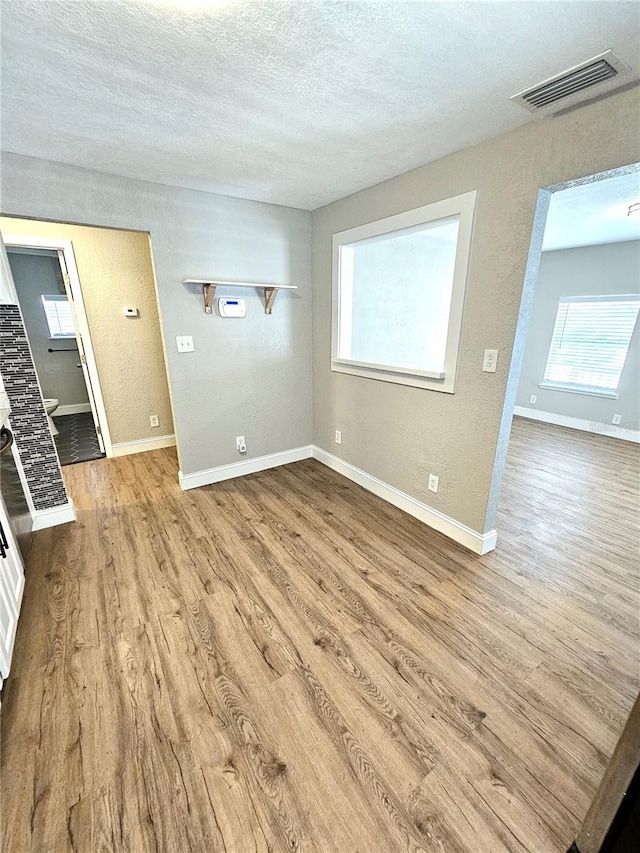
(413, 218)
(72, 409)
(51, 517)
(8, 295)
(66, 247)
(609, 430)
(126, 448)
(221, 283)
(239, 469)
(587, 392)
(388, 368)
(477, 542)
(398, 377)
(462, 206)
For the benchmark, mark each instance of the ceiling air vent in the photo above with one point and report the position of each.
(594, 77)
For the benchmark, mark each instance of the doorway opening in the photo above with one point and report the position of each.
(50, 297)
(89, 305)
(571, 422)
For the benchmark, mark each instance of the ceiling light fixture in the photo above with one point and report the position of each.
(634, 210)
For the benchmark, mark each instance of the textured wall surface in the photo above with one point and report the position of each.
(115, 270)
(58, 372)
(400, 434)
(28, 420)
(590, 271)
(247, 377)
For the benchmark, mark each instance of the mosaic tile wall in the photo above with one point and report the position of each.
(28, 419)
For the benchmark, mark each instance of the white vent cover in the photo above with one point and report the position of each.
(594, 77)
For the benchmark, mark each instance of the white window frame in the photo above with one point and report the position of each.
(461, 205)
(57, 297)
(573, 388)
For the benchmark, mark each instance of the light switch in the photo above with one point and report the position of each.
(184, 343)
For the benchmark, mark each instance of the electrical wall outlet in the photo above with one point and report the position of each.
(533, 399)
(490, 361)
(338, 438)
(241, 444)
(154, 420)
(184, 343)
(616, 419)
(434, 483)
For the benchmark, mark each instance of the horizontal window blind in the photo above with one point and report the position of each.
(590, 342)
(58, 313)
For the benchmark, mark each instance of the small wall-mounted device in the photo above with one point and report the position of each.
(130, 311)
(231, 307)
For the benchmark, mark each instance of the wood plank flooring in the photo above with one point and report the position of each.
(286, 663)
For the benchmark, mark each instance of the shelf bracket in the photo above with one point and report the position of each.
(208, 292)
(270, 294)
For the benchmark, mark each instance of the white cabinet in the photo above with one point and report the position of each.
(11, 588)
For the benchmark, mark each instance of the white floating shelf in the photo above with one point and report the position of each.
(209, 290)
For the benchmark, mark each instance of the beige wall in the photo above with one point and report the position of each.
(400, 434)
(115, 270)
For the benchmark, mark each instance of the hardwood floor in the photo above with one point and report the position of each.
(284, 662)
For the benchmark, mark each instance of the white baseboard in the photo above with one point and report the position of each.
(479, 543)
(72, 409)
(125, 448)
(577, 423)
(239, 469)
(51, 517)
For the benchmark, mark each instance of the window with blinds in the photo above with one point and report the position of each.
(590, 342)
(58, 313)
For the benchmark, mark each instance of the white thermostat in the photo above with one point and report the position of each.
(130, 311)
(231, 307)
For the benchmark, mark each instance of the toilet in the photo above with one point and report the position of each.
(50, 406)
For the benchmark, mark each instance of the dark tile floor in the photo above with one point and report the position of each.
(77, 441)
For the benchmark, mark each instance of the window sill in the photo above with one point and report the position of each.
(385, 373)
(388, 368)
(608, 395)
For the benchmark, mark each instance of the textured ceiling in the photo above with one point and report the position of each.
(593, 213)
(297, 103)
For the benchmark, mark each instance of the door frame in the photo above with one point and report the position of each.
(541, 210)
(81, 347)
(66, 247)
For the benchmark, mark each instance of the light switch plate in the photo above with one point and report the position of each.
(184, 343)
